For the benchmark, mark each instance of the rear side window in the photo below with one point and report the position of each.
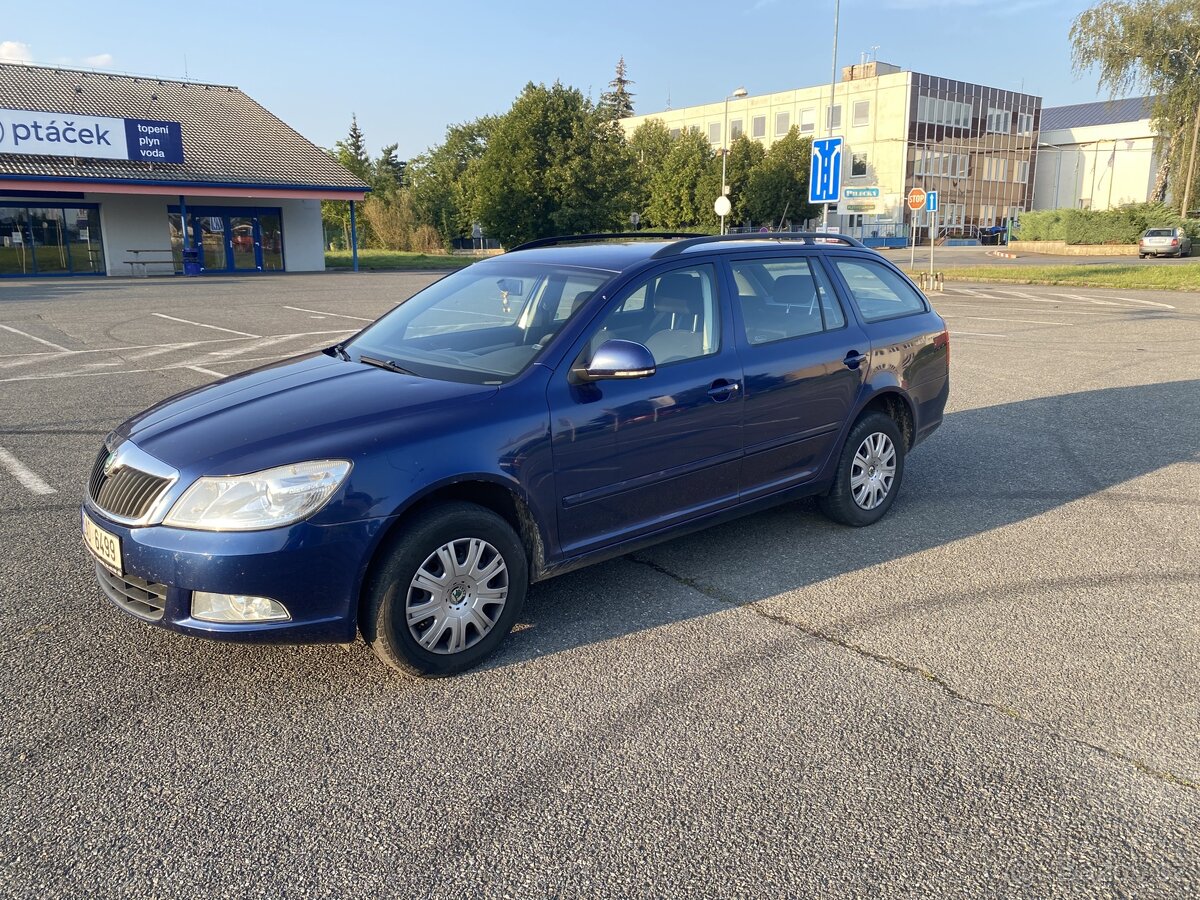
(879, 292)
(785, 298)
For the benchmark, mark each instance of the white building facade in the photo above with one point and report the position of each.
(1097, 155)
(975, 145)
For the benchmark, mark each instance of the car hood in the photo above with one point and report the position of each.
(310, 407)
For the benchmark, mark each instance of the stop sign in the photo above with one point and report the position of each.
(916, 199)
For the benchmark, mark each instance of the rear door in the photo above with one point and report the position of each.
(635, 456)
(804, 357)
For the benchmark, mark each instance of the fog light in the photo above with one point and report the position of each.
(236, 608)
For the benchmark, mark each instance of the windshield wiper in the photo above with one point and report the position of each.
(384, 364)
(340, 351)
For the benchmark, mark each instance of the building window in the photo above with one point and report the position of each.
(783, 121)
(714, 132)
(735, 129)
(995, 168)
(1021, 175)
(808, 121)
(932, 162)
(939, 111)
(987, 215)
(833, 117)
(758, 127)
(1024, 123)
(675, 132)
(999, 121)
(862, 113)
(858, 165)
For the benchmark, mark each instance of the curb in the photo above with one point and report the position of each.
(999, 254)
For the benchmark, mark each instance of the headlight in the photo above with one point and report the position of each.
(266, 499)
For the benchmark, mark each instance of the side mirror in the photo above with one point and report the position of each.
(617, 359)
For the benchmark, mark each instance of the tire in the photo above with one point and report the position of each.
(489, 587)
(855, 505)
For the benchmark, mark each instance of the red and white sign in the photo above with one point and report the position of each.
(916, 199)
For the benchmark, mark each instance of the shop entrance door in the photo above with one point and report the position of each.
(231, 240)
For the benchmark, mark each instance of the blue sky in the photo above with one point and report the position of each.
(410, 69)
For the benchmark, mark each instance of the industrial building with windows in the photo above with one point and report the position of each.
(114, 174)
(1098, 155)
(975, 145)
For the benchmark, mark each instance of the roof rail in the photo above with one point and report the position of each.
(804, 237)
(588, 238)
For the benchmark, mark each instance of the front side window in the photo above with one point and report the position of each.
(785, 298)
(482, 325)
(674, 314)
(879, 292)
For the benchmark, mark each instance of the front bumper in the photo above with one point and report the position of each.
(315, 571)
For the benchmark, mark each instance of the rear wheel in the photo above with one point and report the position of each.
(869, 471)
(447, 592)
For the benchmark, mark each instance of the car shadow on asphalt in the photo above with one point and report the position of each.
(985, 468)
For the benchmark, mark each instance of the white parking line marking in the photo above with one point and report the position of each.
(204, 371)
(324, 313)
(47, 354)
(994, 319)
(202, 325)
(33, 338)
(978, 333)
(19, 471)
(1084, 299)
(1147, 302)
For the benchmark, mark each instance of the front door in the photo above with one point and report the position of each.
(244, 243)
(634, 456)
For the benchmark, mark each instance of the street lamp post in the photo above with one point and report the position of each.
(739, 93)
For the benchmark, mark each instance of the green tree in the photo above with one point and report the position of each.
(649, 146)
(676, 197)
(442, 179)
(1150, 45)
(352, 154)
(553, 165)
(617, 101)
(745, 155)
(777, 188)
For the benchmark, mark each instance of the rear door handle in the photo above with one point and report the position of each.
(722, 390)
(854, 359)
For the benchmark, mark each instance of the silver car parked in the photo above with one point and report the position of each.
(1164, 242)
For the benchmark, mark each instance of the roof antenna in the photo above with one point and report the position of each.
(668, 96)
(185, 72)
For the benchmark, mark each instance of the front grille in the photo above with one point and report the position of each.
(144, 599)
(126, 492)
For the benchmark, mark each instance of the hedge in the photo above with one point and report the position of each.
(1123, 225)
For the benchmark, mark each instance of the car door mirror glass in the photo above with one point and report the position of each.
(618, 359)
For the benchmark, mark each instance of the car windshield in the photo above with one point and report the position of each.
(1160, 232)
(482, 325)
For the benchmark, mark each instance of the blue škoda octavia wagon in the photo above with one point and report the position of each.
(564, 403)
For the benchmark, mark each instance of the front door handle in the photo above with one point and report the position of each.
(854, 359)
(722, 390)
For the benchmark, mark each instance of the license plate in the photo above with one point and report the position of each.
(104, 546)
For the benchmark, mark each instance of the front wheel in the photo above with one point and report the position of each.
(448, 590)
(869, 471)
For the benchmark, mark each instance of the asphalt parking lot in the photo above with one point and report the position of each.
(992, 692)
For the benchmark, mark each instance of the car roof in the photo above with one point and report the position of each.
(618, 255)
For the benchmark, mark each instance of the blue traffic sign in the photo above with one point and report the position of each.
(825, 178)
(931, 201)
